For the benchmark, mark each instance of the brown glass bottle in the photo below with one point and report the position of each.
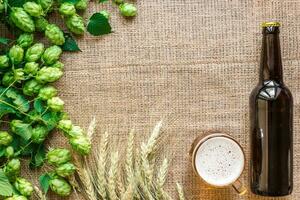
(271, 118)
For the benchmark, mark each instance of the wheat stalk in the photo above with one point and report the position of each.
(101, 160)
(180, 191)
(39, 193)
(112, 176)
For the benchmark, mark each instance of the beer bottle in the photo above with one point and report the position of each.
(271, 118)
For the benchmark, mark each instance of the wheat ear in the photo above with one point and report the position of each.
(101, 163)
(129, 193)
(92, 128)
(129, 166)
(112, 176)
(39, 193)
(161, 178)
(180, 191)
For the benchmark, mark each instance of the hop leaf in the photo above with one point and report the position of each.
(98, 25)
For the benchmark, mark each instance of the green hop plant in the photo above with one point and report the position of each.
(9, 152)
(75, 24)
(15, 124)
(34, 53)
(23, 186)
(65, 125)
(39, 134)
(128, 10)
(67, 9)
(60, 186)
(16, 54)
(47, 92)
(5, 138)
(58, 65)
(65, 170)
(8, 78)
(16, 197)
(81, 5)
(46, 5)
(25, 40)
(31, 87)
(12, 169)
(31, 68)
(40, 24)
(55, 104)
(4, 61)
(105, 14)
(81, 144)
(54, 34)
(48, 74)
(118, 1)
(22, 20)
(51, 55)
(58, 156)
(33, 9)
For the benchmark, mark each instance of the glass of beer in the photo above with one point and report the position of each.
(219, 160)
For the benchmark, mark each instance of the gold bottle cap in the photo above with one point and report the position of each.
(270, 24)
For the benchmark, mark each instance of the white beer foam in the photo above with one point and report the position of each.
(219, 161)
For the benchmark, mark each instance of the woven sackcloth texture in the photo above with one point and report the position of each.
(192, 63)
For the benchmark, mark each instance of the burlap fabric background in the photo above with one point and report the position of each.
(192, 63)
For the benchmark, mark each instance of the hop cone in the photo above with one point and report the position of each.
(4, 61)
(31, 68)
(75, 24)
(47, 92)
(31, 87)
(22, 20)
(60, 186)
(51, 54)
(16, 197)
(25, 40)
(81, 144)
(34, 53)
(65, 170)
(39, 134)
(58, 156)
(5, 138)
(16, 54)
(48, 74)
(12, 169)
(54, 34)
(23, 186)
(33, 9)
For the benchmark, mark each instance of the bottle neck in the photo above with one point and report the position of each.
(271, 64)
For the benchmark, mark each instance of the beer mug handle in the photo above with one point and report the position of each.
(239, 187)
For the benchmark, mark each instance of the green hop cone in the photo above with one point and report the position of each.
(25, 40)
(67, 9)
(81, 5)
(16, 124)
(34, 53)
(55, 104)
(9, 152)
(58, 65)
(60, 186)
(19, 75)
(33, 9)
(4, 61)
(75, 24)
(47, 5)
(40, 24)
(16, 197)
(23, 186)
(54, 34)
(48, 74)
(105, 14)
(65, 170)
(58, 156)
(8, 78)
(12, 169)
(128, 10)
(22, 20)
(65, 125)
(39, 134)
(81, 144)
(2, 7)
(16, 54)
(47, 92)
(75, 132)
(5, 138)
(31, 87)
(31, 68)
(51, 55)
(118, 1)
